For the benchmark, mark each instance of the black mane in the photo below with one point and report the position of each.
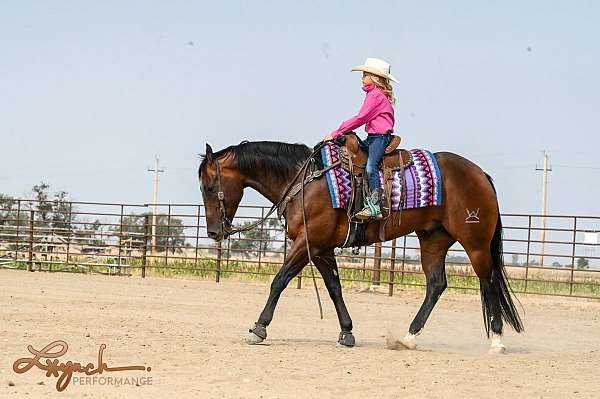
(262, 158)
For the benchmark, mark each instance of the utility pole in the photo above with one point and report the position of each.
(545, 169)
(156, 171)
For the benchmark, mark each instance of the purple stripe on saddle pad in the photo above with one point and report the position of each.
(338, 178)
(423, 181)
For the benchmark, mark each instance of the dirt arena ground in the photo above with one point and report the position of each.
(189, 332)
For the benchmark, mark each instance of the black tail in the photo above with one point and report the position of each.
(499, 285)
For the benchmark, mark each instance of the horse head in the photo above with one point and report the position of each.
(222, 190)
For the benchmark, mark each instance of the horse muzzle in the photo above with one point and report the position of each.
(217, 235)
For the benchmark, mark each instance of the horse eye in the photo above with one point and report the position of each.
(210, 189)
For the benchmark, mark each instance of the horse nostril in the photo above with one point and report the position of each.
(215, 236)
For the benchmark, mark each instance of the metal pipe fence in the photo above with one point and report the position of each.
(117, 239)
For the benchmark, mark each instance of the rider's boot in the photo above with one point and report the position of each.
(372, 209)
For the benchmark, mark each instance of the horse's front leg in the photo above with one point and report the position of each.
(327, 266)
(294, 263)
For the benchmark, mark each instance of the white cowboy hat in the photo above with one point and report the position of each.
(376, 67)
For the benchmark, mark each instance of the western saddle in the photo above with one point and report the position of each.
(353, 155)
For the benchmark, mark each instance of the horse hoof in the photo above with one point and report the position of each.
(252, 339)
(257, 334)
(498, 349)
(346, 339)
(409, 341)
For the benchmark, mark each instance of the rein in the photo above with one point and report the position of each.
(226, 224)
(312, 270)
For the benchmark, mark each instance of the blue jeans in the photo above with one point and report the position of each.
(377, 144)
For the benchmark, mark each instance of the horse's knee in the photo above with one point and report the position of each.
(277, 283)
(334, 288)
(283, 277)
(437, 283)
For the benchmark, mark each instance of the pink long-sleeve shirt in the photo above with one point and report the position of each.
(376, 113)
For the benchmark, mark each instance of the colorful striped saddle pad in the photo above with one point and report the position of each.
(423, 180)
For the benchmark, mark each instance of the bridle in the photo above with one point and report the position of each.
(291, 189)
(226, 224)
(225, 221)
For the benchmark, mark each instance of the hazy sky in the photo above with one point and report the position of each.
(91, 91)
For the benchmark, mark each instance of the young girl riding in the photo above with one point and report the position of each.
(377, 114)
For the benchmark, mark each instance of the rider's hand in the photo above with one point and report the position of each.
(328, 137)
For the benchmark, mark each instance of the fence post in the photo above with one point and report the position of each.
(68, 236)
(120, 238)
(145, 246)
(527, 256)
(219, 256)
(392, 266)
(403, 260)
(17, 233)
(168, 236)
(30, 257)
(377, 265)
(573, 254)
(197, 238)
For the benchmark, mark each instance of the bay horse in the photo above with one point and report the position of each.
(272, 167)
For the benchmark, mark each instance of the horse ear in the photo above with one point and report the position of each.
(209, 153)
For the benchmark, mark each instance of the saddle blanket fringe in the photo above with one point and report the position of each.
(423, 180)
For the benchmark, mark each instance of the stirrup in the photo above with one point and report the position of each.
(364, 214)
(369, 213)
(372, 209)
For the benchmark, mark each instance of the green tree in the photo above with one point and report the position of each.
(515, 259)
(62, 216)
(170, 232)
(583, 263)
(91, 232)
(7, 209)
(256, 240)
(10, 219)
(52, 211)
(42, 206)
(7, 218)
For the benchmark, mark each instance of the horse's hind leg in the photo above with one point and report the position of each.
(294, 263)
(482, 262)
(434, 247)
(327, 266)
